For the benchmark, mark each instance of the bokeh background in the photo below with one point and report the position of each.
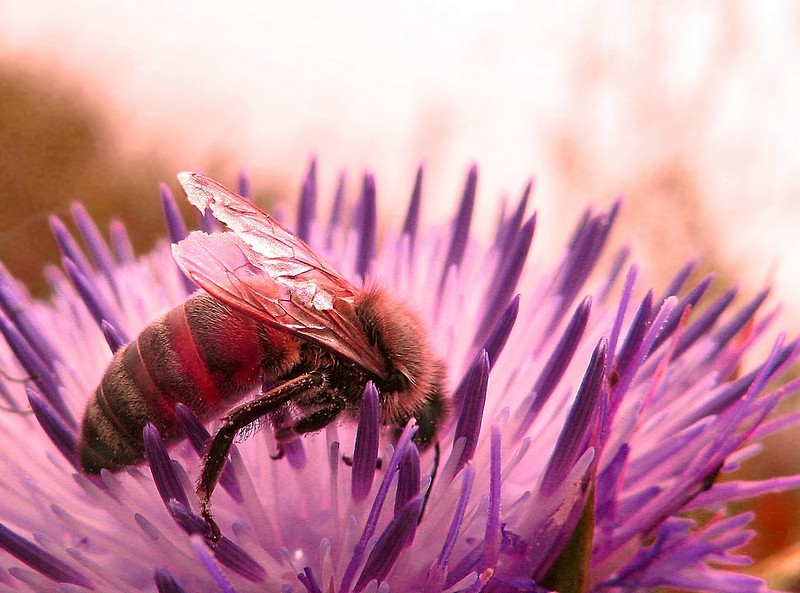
(690, 111)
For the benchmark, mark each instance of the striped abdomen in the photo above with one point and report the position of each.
(200, 354)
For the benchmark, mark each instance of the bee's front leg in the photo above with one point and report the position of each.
(238, 418)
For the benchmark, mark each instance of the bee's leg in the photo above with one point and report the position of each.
(319, 419)
(217, 452)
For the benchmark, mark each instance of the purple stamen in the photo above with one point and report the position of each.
(461, 225)
(295, 454)
(39, 560)
(69, 247)
(244, 187)
(581, 424)
(671, 324)
(584, 251)
(121, 243)
(508, 229)
(622, 308)
(678, 281)
(227, 552)
(726, 333)
(307, 206)
(492, 538)
(497, 338)
(336, 211)
(365, 454)
(435, 581)
(555, 367)
(367, 225)
(377, 505)
(309, 582)
(407, 478)
(36, 370)
(212, 568)
(95, 302)
(98, 249)
(62, 434)
(471, 416)
(113, 339)
(165, 583)
(164, 476)
(701, 325)
(15, 304)
(199, 438)
(636, 334)
(616, 269)
(411, 223)
(176, 229)
(398, 534)
(505, 279)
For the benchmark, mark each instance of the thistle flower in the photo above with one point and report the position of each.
(589, 418)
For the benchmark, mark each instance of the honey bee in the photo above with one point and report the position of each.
(272, 317)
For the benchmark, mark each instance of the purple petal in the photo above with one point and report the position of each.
(166, 480)
(336, 211)
(577, 430)
(309, 582)
(39, 560)
(99, 308)
(391, 542)
(505, 281)
(199, 437)
(407, 478)
(616, 267)
(507, 232)
(367, 227)
(735, 325)
(36, 370)
(176, 229)
(212, 568)
(365, 455)
(674, 287)
(555, 367)
(69, 247)
(461, 225)
(702, 324)
(496, 340)
(492, 537)
(113, 339)
(165, 583)
(62, 434)
(471, 416)
(690, 300)
(121, 243)
(411, 223)
(244, 186)
(15, 304)
(307, 206)
(377, 506)
(435, 581)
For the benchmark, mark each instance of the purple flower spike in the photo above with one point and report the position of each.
(407, 478)
(99, 308)
(367, 226)
(164, 476)
(165, 583)
(39, 560)
(244, 185)
(307, 206)
(461, 225)
(607, 429)
(397, 536)
(474, 398)
(411, 223)
(62, 434)
(365, 455)
(580, 427)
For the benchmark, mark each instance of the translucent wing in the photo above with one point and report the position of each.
(265, 271)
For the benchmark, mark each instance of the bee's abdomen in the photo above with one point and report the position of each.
(199, 357)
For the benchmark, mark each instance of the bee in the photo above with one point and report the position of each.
(271, 317)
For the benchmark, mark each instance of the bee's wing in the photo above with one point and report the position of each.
(267, 272)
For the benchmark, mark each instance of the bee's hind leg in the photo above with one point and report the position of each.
(238, 418)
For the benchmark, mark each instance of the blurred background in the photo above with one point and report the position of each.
(690, 111)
